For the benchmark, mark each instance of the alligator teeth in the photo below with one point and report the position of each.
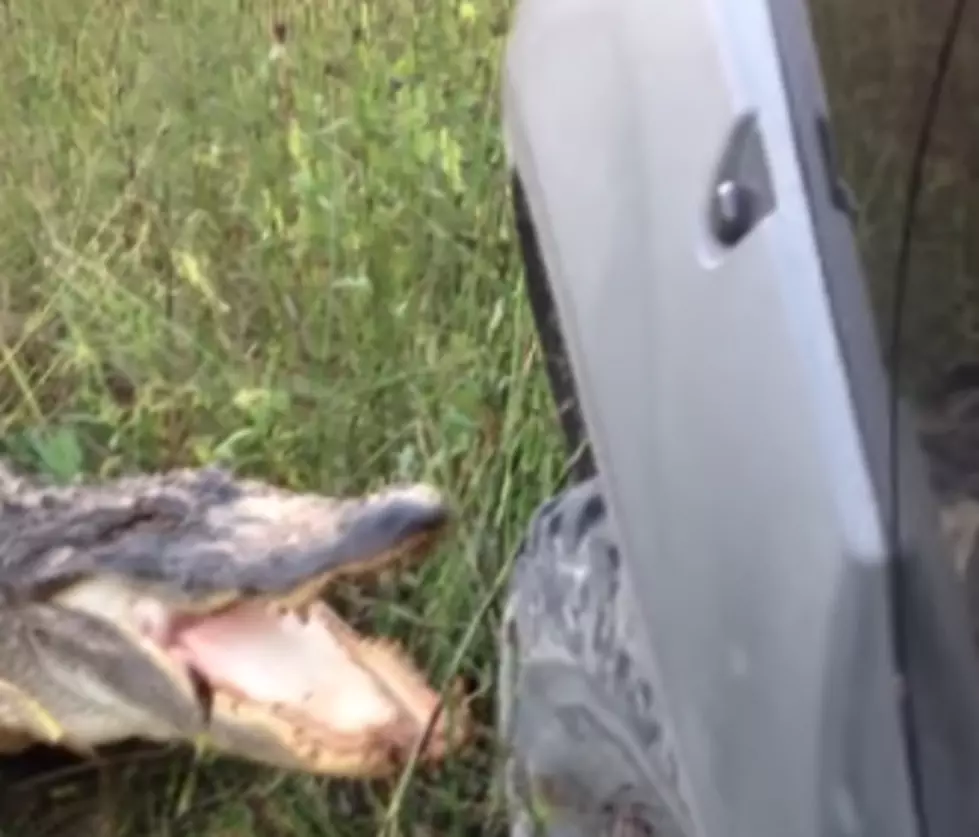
(277, 609)
(319, 612)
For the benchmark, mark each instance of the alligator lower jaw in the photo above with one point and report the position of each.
(337, 701)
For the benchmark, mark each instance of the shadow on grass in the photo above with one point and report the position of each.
(140, 790)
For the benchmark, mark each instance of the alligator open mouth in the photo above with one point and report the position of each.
(337, 702)
(334, 695)
(290, 685)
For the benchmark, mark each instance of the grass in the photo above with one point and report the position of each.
(276, 236)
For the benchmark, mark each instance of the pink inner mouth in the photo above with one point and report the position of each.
(280, 659)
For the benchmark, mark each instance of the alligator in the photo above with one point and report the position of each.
(189, 607)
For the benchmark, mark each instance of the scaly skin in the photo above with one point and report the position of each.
(187, 607)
